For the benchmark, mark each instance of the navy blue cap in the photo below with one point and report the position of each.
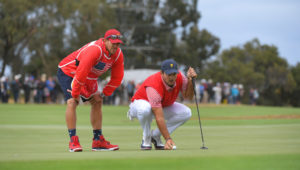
(169, 66)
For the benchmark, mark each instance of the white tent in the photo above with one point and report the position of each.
(138, 75)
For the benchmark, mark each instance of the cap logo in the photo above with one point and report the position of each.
(171, 65)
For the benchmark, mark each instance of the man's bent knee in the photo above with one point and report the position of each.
(72, 102)
(96, 100)
(188, 113)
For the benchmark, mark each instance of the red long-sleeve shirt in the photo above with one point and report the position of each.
(94, 60)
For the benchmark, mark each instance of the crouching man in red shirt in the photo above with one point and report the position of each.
(156, 99)
(78, 74)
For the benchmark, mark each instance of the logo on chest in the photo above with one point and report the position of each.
(100, 66)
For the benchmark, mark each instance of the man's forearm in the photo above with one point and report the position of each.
(161, 124)
(163, 128)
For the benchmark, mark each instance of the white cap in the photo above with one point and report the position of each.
(18, 76)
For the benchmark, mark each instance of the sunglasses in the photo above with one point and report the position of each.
(115, 37)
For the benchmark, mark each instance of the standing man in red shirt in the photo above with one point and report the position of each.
(156, 99)
(78, 74)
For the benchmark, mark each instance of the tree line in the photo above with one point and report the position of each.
(35, 35)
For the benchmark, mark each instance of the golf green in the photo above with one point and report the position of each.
(237, 137)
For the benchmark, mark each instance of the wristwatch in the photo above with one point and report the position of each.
(102, 95)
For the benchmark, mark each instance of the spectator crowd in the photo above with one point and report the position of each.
(45, 89)
(225, 93)
(31, 89)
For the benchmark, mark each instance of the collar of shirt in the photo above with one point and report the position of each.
(166, 86)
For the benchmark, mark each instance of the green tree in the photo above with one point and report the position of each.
(294, 95)
(151, 28)
(46, 45)
(15, 32)
(64, 26)
(196, 48)
(88, 21)
(36, 35)
(255, 65)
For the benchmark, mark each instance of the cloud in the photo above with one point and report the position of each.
(272, 22)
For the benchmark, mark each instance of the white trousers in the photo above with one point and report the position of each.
(175, 115)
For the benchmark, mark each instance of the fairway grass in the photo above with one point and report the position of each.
(35, 137)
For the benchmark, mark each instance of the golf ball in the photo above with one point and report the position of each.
(174, 147)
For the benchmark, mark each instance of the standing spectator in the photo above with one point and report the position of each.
(241, 93)
(218, 93)
(254, 95)
(27, 89)
(234, 94)
(4, 89)
(50, 85)
(226, 92)
(210, 91)
(41, 89)
(15, 87)
(202, 89)
(130, 89)
(35, 87)
(251, 96)
(119, 95)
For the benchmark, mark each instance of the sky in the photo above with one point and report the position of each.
(273, 22)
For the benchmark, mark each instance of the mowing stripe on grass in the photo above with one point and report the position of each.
(14, 126)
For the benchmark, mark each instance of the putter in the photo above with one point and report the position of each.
(203, 147)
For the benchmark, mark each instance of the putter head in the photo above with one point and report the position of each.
(203, 147)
